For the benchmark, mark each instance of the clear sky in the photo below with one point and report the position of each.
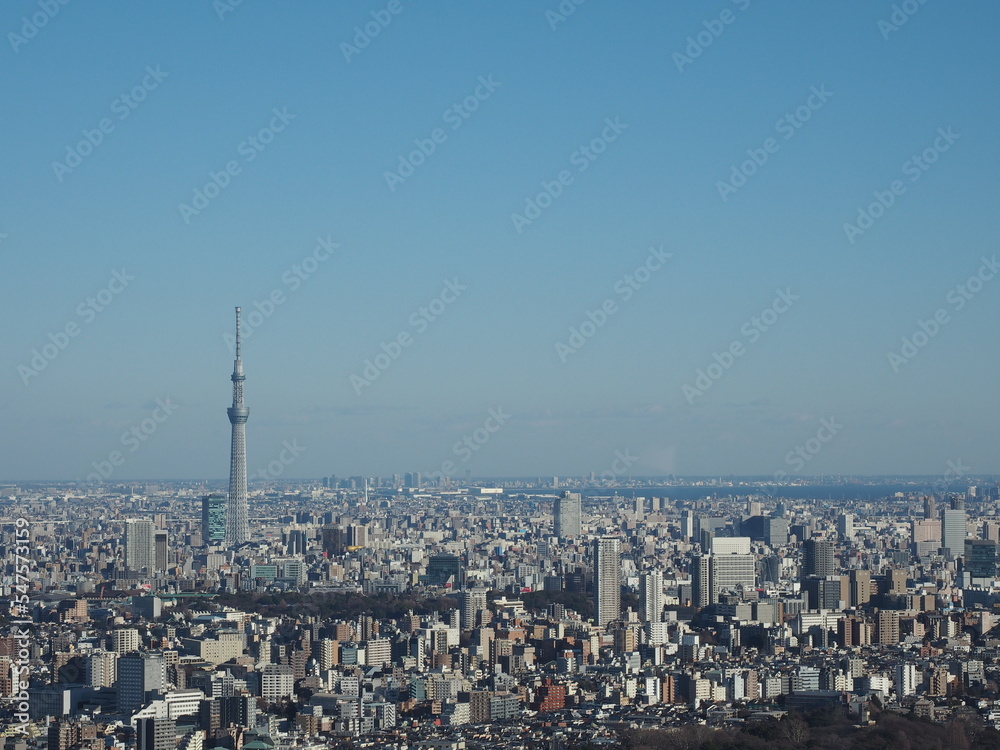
(202, 151)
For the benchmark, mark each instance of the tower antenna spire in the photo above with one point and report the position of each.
(237, 512)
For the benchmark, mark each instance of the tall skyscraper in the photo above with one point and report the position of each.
(776, 532)
(651, 594)
(473, 603)
(861, 587)
(237, 511)
(125, 640)
(139, 675)
(730, 567)
(139, 547)
(445, 570)
(929, 508)
(953, 532)
(818, 559)
(730, 545)
(906, 680)
(213, 520)
(102, 669)
(980, 558)
(845, 525)
(607, 580)
(769, 569)
(826, 592)
(730, 572)
(161, 551)
(567, 515)
(689, 526)
(701, 584)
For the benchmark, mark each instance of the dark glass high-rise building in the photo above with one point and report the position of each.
(818, 559)
(701, 588)
(213, 519)
(981, 558)
(444, 570)
(161, 551)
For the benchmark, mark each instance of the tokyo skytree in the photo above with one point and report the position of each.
(237, 511)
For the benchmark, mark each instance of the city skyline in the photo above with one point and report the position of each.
(646, 244)
(621, 375)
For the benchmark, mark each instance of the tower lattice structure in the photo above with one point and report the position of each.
(237, 510)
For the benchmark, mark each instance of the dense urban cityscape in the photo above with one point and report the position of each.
(613, 376)
(403, 612)
(377, 611)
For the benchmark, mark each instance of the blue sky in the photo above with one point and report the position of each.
(320, 171)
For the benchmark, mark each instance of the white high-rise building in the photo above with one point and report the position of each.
(845, 525)
(953, 532)
(906, 680)
(657, 633)
(607, 580)
(729, 572)
(277, 681)
(473, 602)
(378, 652)
(688, 526)
(730, 566)
(730, 545)
(102, 668)
(568, 515)
(651, 595)
(140, 548)
(124, 640)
